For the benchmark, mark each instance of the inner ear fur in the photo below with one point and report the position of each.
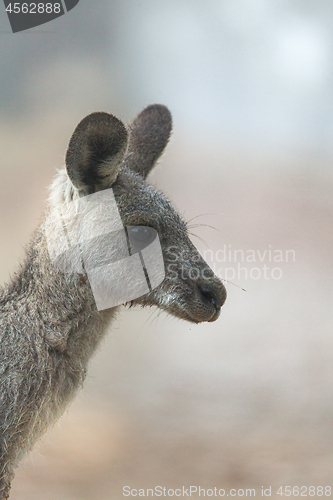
(149, 134)
(96, 152)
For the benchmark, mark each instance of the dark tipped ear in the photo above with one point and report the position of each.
(96, 152)
(149, 134)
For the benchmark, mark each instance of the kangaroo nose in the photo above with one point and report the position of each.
(213, 295)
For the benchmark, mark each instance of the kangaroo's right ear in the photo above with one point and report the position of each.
(96, 152)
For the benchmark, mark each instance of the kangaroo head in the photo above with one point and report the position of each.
(103, 154)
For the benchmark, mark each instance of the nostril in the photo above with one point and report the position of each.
(209, 296)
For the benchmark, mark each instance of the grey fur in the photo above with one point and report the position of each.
(49, 323)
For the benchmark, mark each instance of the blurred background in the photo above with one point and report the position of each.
(247, 401)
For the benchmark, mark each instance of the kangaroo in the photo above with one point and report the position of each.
(49, 322)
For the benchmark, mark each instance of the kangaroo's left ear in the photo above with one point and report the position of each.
(96, 152)
(149, 134)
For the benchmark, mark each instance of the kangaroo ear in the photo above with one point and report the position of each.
(96, 152)
(149, 134)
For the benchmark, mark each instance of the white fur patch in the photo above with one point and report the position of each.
(62, 191)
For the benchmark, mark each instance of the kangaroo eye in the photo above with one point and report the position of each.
(140, 233)
(140, 236)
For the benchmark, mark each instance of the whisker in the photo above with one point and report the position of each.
(159, 312)
(150, 316)
(153, 316)
(202, 215)
(231, 283)
(199, 237)
(203, 225)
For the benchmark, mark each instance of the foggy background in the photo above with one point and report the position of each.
(247, 401)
